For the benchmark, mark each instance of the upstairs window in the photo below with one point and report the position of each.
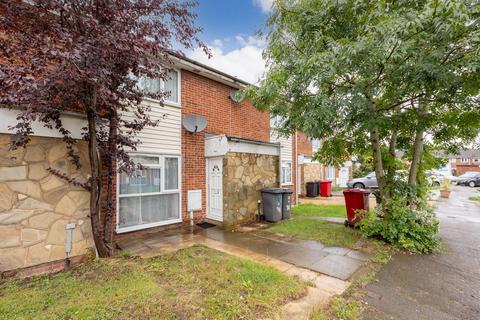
(155, 86)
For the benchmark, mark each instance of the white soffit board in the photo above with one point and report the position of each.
(252, 147)
(73, 123)
(218, 146)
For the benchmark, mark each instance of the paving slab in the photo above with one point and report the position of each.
(340, 267)
(359, 255)
(302, 257)
(340, 251)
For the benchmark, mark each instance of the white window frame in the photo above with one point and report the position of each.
(285, 182)
(162, 85)
(161, 164)
(330, 172)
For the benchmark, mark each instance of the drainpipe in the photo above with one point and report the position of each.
(68, 242)
(279, 165)
(295, 185)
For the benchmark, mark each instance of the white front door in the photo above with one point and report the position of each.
(215, 189)
(343, 177)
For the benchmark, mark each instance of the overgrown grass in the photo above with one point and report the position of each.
(474, 198)
(194, 283)
(330, 234)
(309, 209)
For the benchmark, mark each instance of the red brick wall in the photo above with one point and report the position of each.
(209, 98)
(304, 144)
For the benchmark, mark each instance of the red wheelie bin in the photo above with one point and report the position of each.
(325, 188)
(355, 199)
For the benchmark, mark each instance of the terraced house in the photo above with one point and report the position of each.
(212, 171)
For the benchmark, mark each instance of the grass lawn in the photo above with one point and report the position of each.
(309, 209)
(193, 283)
(474, 198)
(330, 234)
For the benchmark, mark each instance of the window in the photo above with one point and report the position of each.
(286, 172)
(150, 196)
(316, 143)
(331, 172)
(464, 160)
(156, 86)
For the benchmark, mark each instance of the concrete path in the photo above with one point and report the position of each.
(325, 268)
(443, 286)
(337, 262)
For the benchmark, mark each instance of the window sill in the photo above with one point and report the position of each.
(166, 103)
(147, 226)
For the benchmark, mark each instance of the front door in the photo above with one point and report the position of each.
(343, 177)
(215, 189)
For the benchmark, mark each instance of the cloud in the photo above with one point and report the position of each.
(265, 5)
(244, 62)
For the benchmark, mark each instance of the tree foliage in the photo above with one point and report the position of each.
(373, 77)
(85, 56)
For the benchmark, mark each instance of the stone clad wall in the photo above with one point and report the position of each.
(244, 175)
(35, 205)
(310, 172)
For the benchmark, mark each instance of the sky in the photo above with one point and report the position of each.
(229, 30)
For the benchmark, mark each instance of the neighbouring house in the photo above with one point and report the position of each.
(467, 160)
(310, 170)
(214, 175)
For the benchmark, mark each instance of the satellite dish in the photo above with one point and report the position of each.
(235, 96)
(194, 123)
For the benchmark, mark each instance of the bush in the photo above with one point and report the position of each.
(408, 225)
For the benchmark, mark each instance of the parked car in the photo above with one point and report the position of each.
(471, 179)
(434, 178)
(369, 181)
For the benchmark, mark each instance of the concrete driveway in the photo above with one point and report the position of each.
(442, 286)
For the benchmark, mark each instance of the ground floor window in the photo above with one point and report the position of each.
(151, 196)
(286, 172)
(331, 172)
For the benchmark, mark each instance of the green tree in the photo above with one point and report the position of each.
(375, 77)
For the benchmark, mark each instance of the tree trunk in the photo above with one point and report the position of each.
(377, 159)
(112, 144)
(377, 153)
(95, 178)
(417, 149)
(392, 168)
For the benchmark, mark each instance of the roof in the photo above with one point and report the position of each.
(472, 153)
(209, 72)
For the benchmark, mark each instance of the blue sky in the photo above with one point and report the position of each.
(229, 29)
(225, 19)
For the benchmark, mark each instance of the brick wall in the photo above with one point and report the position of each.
(209, 98)
(304, 144)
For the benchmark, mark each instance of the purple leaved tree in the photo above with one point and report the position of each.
(84, 56)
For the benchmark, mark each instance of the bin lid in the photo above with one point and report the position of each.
(287, 190)
(272, 190)
(355, 191)
(326, 181)
(311, 182)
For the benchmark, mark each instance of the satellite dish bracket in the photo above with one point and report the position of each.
(194, 123)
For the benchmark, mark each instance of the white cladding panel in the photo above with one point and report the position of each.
(286, 153)
(166, 138)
